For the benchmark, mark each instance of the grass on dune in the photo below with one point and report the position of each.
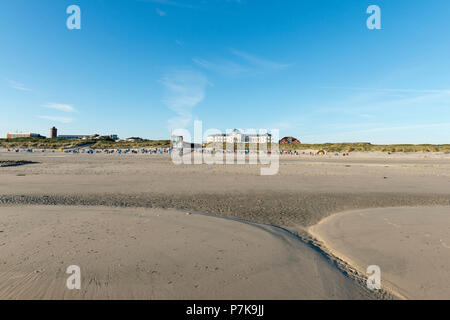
(47, 143)
(362, 146)
(351, 147)
(40, 143)
(104, 144)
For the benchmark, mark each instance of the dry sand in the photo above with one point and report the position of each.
(410, 245)
(306, 190)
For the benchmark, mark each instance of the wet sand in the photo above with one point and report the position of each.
(303, 192)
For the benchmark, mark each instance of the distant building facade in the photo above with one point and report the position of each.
(115, 137)
(237, 136)
(134, 139)
(86, 137)
(53, 133)
(23, 135)
(73, 137)
(289, 140)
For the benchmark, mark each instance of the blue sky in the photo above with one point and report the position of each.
(308, 67)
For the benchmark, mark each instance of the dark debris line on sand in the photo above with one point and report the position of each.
(12, 163)
(344, 267)
(278, 209)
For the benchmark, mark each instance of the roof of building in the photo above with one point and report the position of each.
(289, 140)
(237, 131)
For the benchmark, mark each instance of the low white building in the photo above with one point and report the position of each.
(260, 138)
(22, 135)
(237, 136)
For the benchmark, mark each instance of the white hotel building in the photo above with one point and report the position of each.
(237, 136)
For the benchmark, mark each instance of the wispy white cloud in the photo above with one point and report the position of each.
(18, 86)
(260, 62)
(169, 3)
(366, 102)
(381, 114)
(248, 64)
(60, 107)
(184, 89)
(283, 125)
(408, 127)
(160, 12)
(395, 90)
(57, 119)
(376, 128)
(183, 3)
(228, 68)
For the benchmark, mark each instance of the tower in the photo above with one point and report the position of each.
(53, 133)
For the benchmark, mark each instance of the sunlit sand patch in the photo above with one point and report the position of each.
(410, 244)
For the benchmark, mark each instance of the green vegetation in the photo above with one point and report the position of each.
(364, 146)
(40, 143)
(46, 143)
(105, 144)
(223, 146)
(358, 146)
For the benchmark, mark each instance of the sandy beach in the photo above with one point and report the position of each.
(188, 152)
(158, 254)
(411, 245)
(64, 204)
